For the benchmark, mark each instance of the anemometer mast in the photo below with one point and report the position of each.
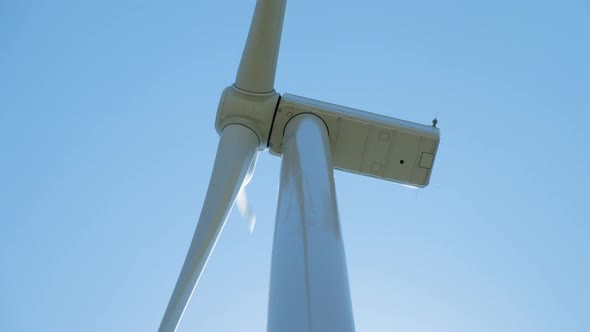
(309, 289)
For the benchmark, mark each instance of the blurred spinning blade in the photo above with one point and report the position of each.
(244, 208)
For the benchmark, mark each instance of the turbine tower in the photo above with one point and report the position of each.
(309, 289)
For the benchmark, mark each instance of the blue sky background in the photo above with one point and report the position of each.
(107, 143)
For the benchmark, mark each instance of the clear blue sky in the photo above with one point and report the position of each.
(107, 144)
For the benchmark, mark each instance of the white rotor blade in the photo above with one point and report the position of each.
(244, 208)
(235, 153)
(259, 59)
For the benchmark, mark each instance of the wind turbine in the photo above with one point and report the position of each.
(309, 289)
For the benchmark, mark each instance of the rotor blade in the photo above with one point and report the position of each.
(242, 199)
(259, 59)
(235, 153)
(244, 208)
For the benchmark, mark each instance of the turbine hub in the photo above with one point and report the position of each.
(253, 110)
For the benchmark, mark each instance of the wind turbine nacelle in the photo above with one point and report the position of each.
(366, 143)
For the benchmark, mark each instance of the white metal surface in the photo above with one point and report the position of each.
(366, 143)
(253, 110)
(251, 101)
(235, 156)
(259, 59)
(309, 288)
